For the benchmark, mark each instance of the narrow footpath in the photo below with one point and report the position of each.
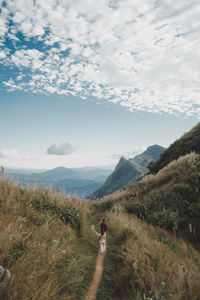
(92, 291)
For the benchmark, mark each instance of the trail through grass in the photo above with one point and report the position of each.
(92, 291)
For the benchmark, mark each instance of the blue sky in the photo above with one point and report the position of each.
(82, 86)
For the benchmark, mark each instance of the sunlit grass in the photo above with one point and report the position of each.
(145, 257)
(44, 243)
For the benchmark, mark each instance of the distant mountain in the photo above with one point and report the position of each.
(128, 170)
(22, 171)
(93, 173)
(77, 181)
(59, 173)
(188, 143)
(80, 187)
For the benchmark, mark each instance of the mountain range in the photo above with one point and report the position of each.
(76, 181)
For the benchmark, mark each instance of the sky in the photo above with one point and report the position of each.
(84, 82)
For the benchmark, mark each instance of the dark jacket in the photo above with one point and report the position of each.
(104, 227)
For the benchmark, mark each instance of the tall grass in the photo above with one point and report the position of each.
(169, 199)
(45, 244)
(145, 257)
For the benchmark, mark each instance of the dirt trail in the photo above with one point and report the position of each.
(92, 291)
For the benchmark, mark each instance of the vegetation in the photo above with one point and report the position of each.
(46, 243)
(169, 199)
(144, 262)
(188, 143)
(151, 262)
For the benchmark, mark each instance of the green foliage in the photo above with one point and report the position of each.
(164, 219)
(67, 213)
(103, 205)
(188, 143)
(39, 219)
(136, 208)
(164, 239)
(170, 199)
(15, 252)
(156, 295)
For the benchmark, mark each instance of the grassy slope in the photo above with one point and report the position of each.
(140, 258)
(46, 243)
(189, 142)
(169, 199)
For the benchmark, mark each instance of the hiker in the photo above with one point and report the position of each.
(102, 239)
(103, 226)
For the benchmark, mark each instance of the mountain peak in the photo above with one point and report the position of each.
(128, 170)
(154, 151)
(155, 147)
(122, 159)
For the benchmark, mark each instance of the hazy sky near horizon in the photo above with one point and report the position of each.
(84, 82)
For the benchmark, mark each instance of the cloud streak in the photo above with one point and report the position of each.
(140, 56)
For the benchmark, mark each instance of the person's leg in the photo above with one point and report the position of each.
(101, 246)
(104, 245)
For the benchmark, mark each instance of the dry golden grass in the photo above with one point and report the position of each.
(176, 171)
(145, 261)
(51, 260)
(47, 258)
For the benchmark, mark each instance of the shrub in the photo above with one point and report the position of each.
(67, 213)
(165, 219)
(103, 205)
(15, 252)
(136, 208)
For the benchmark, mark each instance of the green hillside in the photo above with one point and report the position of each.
(127, 171)
(169, 199)
(189, 142)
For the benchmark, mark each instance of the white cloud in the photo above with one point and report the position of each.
(2, 54)
(61, 149)
(9, 153)
(141, 56)
(129, 154)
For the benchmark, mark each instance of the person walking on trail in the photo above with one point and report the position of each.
(103, 226)
(104, 229)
